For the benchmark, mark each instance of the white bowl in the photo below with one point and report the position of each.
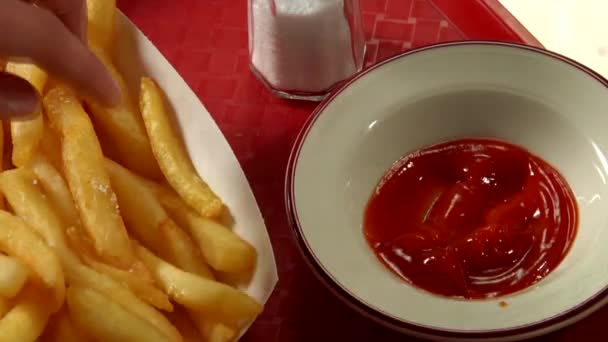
(553, 106)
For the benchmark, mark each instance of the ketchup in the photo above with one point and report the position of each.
(472, 218)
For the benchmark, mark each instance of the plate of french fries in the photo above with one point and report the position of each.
(131, 223)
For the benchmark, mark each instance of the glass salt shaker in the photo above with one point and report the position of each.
(301, 49)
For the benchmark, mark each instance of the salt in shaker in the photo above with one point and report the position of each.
(301, 49)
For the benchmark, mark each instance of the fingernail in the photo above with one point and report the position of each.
(18, 99)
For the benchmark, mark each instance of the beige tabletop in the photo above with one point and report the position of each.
(575, 28)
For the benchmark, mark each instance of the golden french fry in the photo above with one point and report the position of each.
(144, 288)
(27, 319)
(61, 328)
(137, 198)
(151, 224)
(39, 214)
(19, 240)
(27, 201)
(101, 22)
(141, 288)
(171, 156)
(106, 320)
(181, 250)
(50, 146)
(87, 178)
(56, 189)
(210, 298)
(185, 326)
(223, 250)
(27, 134)
(13, 275)
(83, 276)
(5, 306)
(7, 146)
(124, 129)
(210, 330)
(2, 204)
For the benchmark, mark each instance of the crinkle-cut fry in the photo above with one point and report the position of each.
(123, 129)
(101, 15)
(88, 179)
(13, 275)
(222, 248)
(19, 240)
(56, 189)
(27, 134)
(146, 217)
(171, 155)
(26, 320)
(61, 328)
(106, 320)
(209, 297)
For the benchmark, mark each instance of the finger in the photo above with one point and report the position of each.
(73, 13)
(34, 32)
(18, 98)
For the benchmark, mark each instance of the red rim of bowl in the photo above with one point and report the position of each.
(558, 321)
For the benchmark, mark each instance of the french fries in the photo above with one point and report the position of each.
(82, 276)
(5, 306)
(223, 250)
(56, 189)
(21, 191)
(26, 321)
(210, 330)
(50, 146)
(27, 134)
(143, 288)
(19, 240)
(113, 323)
(208, 297)
(61, 328)
(101, 17)
(145, 215)
(87, 179)
(97, 250)
(186, 327)
(124, 129)
(13, 275)
(171, 156)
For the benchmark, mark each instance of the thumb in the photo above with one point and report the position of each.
(18, 98)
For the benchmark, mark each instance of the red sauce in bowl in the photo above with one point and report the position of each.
(472, 218)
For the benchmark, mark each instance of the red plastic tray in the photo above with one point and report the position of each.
(206, 41)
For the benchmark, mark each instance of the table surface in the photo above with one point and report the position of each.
(206, 41)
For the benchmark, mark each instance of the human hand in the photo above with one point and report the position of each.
(53, 35)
